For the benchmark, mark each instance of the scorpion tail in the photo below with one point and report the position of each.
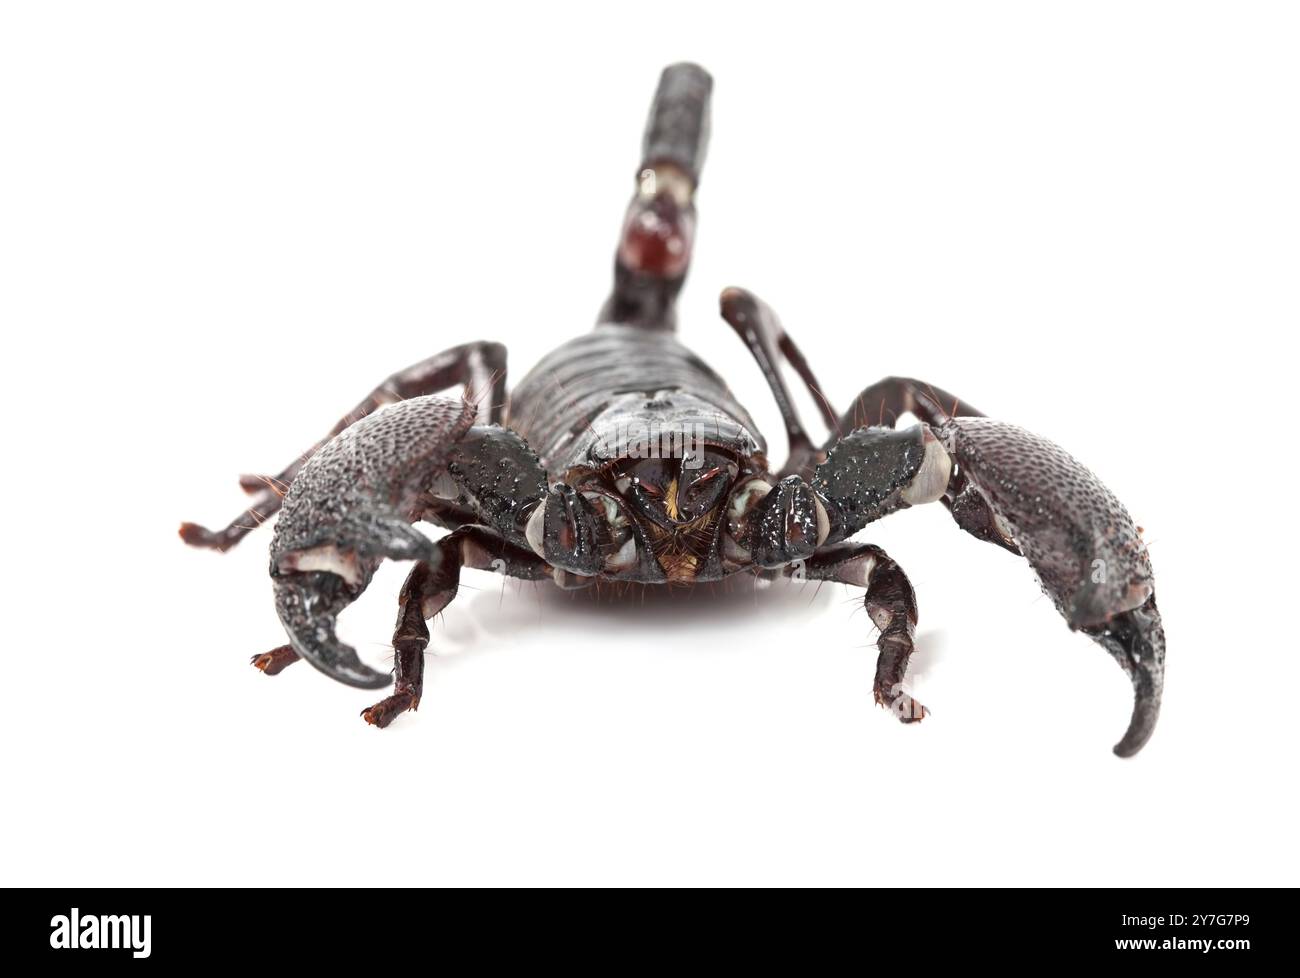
(654, 250)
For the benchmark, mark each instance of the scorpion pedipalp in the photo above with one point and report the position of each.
(1081, 542)
(349, 508)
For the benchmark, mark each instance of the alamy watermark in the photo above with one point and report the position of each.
(107, 931)
(641, 439)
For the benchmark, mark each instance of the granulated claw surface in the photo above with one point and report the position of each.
(349, 508)
(1080, 541)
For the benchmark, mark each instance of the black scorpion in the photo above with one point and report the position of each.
(624, 457)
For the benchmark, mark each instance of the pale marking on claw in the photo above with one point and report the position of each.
(931, 480)
(327, 558)
(533, 531)
(823, 522)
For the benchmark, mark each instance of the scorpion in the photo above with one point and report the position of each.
(623, 457)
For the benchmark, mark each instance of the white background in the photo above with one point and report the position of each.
(222, 224)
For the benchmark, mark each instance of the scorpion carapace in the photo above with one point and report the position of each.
(624, 457)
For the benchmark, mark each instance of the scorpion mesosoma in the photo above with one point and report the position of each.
(624, 457)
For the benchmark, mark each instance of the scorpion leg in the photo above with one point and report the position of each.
(891, 603)
(429, 588)
(276, 661)
(886, 400)
(411, 638)
(761, 330)
(478, 367)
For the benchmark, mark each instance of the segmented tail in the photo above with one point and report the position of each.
(654, 249)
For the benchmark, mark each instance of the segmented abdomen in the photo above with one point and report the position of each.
(581, 391)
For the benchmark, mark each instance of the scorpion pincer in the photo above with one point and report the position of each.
(623, 457)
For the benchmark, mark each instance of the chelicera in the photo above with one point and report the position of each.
(623, 457)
